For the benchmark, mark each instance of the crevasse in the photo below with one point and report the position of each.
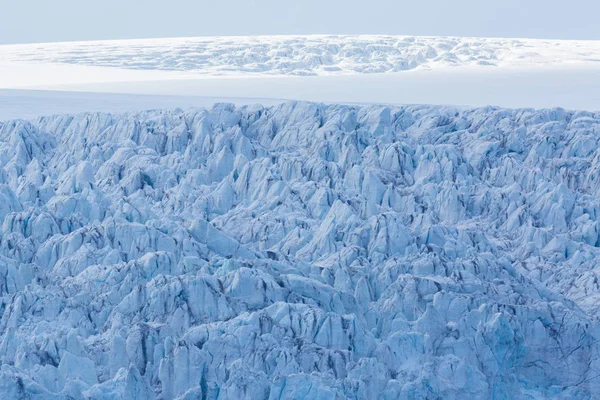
(301, 251)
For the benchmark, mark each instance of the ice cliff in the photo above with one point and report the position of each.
(301, 251)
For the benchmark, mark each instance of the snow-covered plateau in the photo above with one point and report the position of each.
(301, 251)
(307, 54)
(473, 72)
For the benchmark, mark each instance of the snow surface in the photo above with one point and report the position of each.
(335, 69)
(301, 251)
(574, 88)
(18, 103)
(306, 55)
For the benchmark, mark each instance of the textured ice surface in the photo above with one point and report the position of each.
(301, 251)
(306, 55)
(332, 69)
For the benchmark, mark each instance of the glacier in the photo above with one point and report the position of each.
(122, 75)
(303, 251)
(306, 54)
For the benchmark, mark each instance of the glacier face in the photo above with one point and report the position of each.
(306, 55)
(301, 251)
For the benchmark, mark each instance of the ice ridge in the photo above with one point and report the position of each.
(302, 251)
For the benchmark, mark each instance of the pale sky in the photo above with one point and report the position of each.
(26, 21)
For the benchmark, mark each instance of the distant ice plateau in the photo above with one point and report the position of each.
(512, 73)
(307, 55)
(303, 251)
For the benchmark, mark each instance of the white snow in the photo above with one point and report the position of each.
(570, 87)
(306, 55)
(335, 69)
(19, 103)
(301, 251)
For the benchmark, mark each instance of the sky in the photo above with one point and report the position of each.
(29, 21)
